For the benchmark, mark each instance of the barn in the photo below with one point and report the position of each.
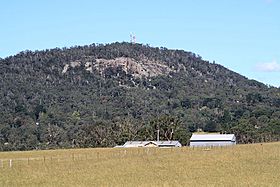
(152, 144)
(210, 140)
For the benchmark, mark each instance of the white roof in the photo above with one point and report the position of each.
(167, 142)
(143, 143)
(118, 146)
(212, 137)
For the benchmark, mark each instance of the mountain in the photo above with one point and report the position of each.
(103, 95)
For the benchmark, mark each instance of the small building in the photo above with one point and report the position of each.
(210, 140)
(152, 144)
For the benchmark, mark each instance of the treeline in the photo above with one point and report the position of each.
(95, 134)
(43, 108)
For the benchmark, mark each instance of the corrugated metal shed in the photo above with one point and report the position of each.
(169, 144)
(151, 143)
(208, 140)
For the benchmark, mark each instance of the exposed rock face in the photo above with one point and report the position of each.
(72, 65)
(75, 64)
(65, 68)
(88, 66)
(144, 68)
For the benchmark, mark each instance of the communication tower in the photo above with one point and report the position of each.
(132, 38)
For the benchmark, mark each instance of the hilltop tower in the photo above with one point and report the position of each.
(132, 38)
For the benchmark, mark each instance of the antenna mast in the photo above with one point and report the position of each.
(132, 38)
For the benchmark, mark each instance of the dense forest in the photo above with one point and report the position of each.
(103, 95)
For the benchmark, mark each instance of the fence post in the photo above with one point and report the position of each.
(28, 160)
(10, 163)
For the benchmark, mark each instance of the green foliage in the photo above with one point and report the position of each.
(245, 131)
(43, 108)
(211, 126)
(168, 127)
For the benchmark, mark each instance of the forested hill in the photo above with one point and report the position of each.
(104, 95)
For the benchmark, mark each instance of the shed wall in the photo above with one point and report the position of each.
(211, 143)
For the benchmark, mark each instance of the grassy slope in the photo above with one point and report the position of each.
(242, 165)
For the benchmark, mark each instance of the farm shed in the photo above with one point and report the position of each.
(209, 140)
(152, 144)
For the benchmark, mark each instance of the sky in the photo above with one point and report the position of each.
(242, 35)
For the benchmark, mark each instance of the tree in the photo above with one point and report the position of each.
(244, 131)
(170, 128)
(211, 126)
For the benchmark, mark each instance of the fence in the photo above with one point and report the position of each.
(100, 155)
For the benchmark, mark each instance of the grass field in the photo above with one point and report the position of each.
(242, 165)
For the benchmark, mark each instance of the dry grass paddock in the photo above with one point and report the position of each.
(241, 165)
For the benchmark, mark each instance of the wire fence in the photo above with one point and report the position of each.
(101, 155)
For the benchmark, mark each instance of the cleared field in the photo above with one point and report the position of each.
(242, 165)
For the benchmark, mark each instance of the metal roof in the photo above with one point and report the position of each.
(212, 137)
(143, 143)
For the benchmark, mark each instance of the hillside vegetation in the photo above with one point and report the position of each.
(241, 165)
(103, 95)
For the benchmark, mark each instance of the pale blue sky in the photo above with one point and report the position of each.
(242, 35)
